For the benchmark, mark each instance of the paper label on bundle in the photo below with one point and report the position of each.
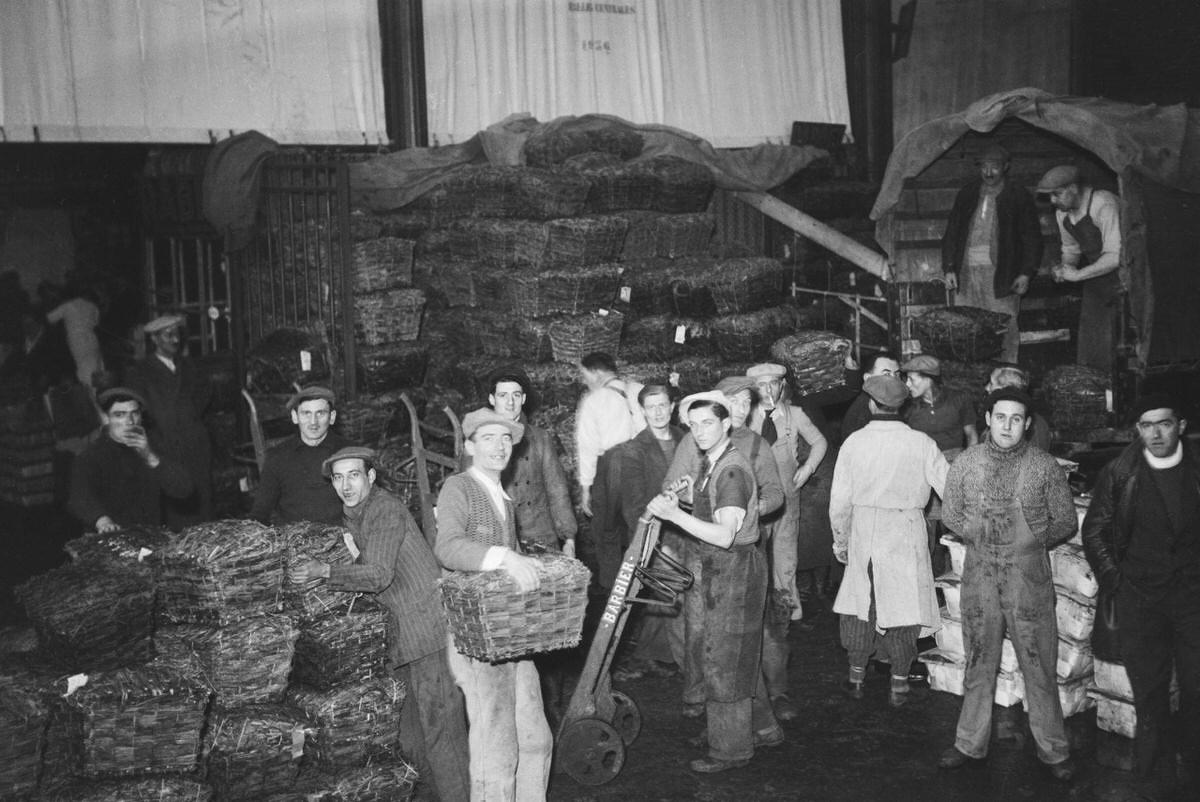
(306, 360)
(143, 553)
(244, 484)
(603, 313)
(348, 539)
(673, 378)
(75, 682)
(680, 334)
(297, 743)
(626, 294)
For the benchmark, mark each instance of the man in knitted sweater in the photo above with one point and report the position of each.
(1010, 503)
(510, 741)
(396, 564)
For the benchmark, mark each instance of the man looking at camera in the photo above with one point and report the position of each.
(119, 480)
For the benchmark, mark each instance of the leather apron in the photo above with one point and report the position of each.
(1101, 296)
(1007, 585)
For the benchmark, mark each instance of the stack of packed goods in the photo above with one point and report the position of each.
(24, 715)
(1078, 397)
(1113, 697)
(817, 359)
(26, 455)
(286, 358)
(1075, 591)
(145, 789)
(253, 751)
(964, 333)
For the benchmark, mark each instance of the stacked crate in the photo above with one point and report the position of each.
(1075, 591)
(27, 455)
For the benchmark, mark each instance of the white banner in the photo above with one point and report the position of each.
(736, 72)
(299, 71)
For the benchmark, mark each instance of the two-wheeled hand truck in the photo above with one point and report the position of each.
(601, 723)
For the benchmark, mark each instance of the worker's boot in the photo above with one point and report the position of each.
(853, 686)
(898, 691)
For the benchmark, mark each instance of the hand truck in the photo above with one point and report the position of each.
(601, 723)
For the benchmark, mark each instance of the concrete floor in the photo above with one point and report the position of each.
(841, 749)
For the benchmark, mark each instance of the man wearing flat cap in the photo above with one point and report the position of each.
(992, 247)
(732, 580)
(881, 483)
(943, 414)
(291, 487)
(177, 395)
(1142, 538)
(510, 740)
(396, 564)
(119, 480)
(799, 447)
(1089, 221)
(1010, 503)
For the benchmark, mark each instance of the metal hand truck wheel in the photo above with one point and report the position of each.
(601, 723)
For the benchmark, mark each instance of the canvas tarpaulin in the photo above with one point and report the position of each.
(396, 179)
(737, 73)
(299, 71)
(1155, 144)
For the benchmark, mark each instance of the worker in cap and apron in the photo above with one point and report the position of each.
(177, 395)
(1089, 221)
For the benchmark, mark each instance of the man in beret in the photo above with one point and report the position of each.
(993, 243)
(291, 487)
(1089, 221)
(119, 480)
(1142, 538)
(881, 483)
(396, 564)
(1010, 503)
(510, 740)
(799, 447)
(177, 395)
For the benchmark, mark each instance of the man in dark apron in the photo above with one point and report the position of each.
(1010, 503)
(1089, 221)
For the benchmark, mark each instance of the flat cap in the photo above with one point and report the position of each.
(732, 385)
(1153, 401)
(714, 396)
(994, 153)
(1058, 177)
(886, 390)
(312, 393)
(367, 455)
(923, 363)
(484, 417)
(119, 392)
(766, 370)
(164, 322)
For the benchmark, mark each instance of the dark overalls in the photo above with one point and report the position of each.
(1101, 296)
(1007, 585)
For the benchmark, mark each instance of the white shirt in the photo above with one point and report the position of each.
(606, 419)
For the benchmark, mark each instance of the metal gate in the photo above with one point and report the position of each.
(296, 273)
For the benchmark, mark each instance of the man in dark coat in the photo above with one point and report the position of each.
(292, 487)
(1142, 539)
(119, 480)
(176, 397)
(993, 243)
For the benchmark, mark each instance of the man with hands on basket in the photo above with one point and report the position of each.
(396, 564)
(732, 579)
(510, 740)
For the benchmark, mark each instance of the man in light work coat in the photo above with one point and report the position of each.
(881, 484)
(799, 447)
(1010, 503)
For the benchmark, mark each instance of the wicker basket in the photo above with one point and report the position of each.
(669, 236)
(382, 263)
(275, 364)
(531, 340)
(23, 719)
(394, 781)
(121, 549)
(817, 359)
(391, 367)
(388, 316)
(657, 338)
(368, 419)
(574, 337)
(557, 384)
(355, 723)
(964, 333)
(747, 337)
(92, 615)
(307, 540)
(221, 572)
(255, 751)
(571, 291)
(551, 144)
(744, 285)
(1077, 397)
(148, 789)
(247, 662)
(144, 720)
(619, 187)
(683, 186)
(344, 646)
(492, 620)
